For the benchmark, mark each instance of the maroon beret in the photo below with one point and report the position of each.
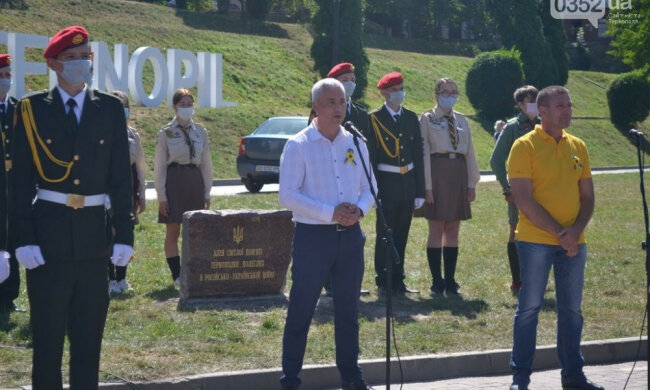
(342, 68)
(68, 37)
(390, 79)
(5, 60)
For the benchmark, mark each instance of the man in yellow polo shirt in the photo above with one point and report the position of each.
(550, 177)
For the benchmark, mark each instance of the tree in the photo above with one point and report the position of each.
(554, 33)
(631, 40)
(258, 9)
(350, 42)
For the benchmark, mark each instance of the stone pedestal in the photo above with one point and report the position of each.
(235, 253)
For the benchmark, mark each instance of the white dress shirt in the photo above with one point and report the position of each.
(317, 174)
(78, 98)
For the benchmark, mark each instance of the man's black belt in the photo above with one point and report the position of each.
(336, 227)
(185, 166)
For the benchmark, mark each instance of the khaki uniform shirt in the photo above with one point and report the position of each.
(136, 155)
(171, 147)
(435, 137)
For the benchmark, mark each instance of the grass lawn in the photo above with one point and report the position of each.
(147, 338)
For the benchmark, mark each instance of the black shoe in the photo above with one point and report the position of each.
(518, 387)
(402, 289)
(584, 384)
(452, 288)
(438, 288)
(361, 385)
(9, 307)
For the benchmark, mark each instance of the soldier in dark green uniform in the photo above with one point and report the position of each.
(9, 288)
(72, 154)
(515, 128)
(356, 113)
(395, 147)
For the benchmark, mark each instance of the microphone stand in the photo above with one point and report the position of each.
(640, 140)
(392, 257)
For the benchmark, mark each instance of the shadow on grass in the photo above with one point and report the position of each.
(214, 22)
(163, 294)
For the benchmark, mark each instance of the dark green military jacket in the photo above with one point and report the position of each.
(100, 154)
(395, 187)
(515, 128)
(359, 116)
(6, 127)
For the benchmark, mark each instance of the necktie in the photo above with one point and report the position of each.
(72, 117)
(188, 141)
(396, 117)
(452, 131)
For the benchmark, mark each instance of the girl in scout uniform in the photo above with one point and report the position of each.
(183, 173)
(450, 175)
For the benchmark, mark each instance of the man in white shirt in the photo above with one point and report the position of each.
(322, 182)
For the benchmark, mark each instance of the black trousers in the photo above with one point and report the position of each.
(398, 217)
(67, 298)
(10, 288)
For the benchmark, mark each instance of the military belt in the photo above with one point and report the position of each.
(74, 201)
(404, 169)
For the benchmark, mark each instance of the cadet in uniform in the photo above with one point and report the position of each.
(515, 128)
(395, 147)
(72, 153)
(355, 112)
(10, 288)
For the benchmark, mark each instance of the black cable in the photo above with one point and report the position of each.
(125, 381)
(638, 350)
(399, 360)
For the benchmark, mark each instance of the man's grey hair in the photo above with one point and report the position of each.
(324, 84)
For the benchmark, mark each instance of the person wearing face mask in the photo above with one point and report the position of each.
(9, 282)
(520, 125)
(451, 174)
(183, 173)
(395, 147)
(117, 282)
(71, 159)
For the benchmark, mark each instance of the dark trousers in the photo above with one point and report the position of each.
(10, 288)
(398, 217)
(67, 298)
(319, 250)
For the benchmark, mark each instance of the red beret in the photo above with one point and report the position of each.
(5, 60)
(390, 79)
(342, 68)
(64, 39)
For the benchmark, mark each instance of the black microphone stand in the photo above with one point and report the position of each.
(392, 258)
(640, 140)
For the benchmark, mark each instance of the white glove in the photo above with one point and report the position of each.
(121, 254)
(30, 256)
(418, 202)
(4, 265)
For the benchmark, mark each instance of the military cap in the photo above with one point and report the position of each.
(339, 69)
(390, 79)
(5, 60)
(68, 37)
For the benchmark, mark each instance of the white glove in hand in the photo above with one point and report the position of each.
(30, 256)
(121, 254)
(4, 265)
(418, 202)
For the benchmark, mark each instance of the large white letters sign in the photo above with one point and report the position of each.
(181, 69)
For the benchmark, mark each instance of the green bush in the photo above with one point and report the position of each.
(629, 99)
(491, 81)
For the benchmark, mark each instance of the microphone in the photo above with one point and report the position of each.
(349, 126)
(635, 133)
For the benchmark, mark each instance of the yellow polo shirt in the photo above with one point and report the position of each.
(555, 169)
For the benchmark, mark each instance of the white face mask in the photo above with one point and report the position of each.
(185, 113)
(5, 86)
(77, 72)
(397, 98)
(531, 110)
(349, 88)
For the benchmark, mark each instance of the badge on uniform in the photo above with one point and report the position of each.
(172, 134)
(434, 120)
(349, 157)
(576, 162)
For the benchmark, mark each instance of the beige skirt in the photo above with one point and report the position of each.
(184, 189)
(449, 179)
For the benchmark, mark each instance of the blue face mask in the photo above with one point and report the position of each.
(349, 88)
(77, 72)
(5, 86)
(447, 101)
(127, 112)
(397, 98)
(185, 113)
